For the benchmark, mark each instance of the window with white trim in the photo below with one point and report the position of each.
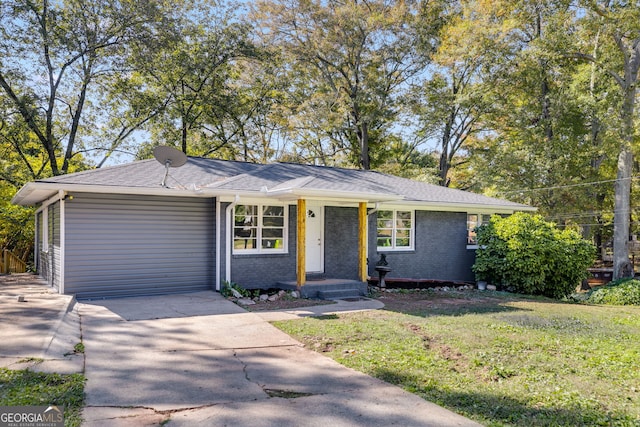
(259, 229)
(473, 222)
(395, 230)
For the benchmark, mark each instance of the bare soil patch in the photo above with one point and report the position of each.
(419, 300)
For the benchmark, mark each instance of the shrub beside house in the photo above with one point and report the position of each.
(524, 253)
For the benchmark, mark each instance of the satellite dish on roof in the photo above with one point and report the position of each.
(169, 157)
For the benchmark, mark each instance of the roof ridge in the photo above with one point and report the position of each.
(319, 166)
(96, 170)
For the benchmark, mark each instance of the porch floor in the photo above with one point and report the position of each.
(328, 288)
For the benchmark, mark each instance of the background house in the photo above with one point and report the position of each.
(118, 232)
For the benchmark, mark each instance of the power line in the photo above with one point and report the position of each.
(557, 187)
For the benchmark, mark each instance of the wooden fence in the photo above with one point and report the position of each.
(11, 263)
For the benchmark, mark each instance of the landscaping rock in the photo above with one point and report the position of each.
(491, 287)
(294, 294)
(274, 297)
(246, 301)
(235, 293)
(264, 297)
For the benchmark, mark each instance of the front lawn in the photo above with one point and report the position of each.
(27, 388)
(496, 358)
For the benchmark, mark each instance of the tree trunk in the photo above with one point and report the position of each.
(622, 207)
(621, 215)
(364, 146)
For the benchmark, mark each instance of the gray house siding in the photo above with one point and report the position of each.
(49, 259)
(40, 259)
(119, 245)
(341, 243)
(54, 244)
(265, 270)
(440, 249)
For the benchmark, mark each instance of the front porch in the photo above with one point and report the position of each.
(327, 288)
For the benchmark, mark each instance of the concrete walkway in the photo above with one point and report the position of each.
(200, 360)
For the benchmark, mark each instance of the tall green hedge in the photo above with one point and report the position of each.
(528, 255)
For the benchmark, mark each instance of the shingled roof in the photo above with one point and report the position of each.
(201, 177)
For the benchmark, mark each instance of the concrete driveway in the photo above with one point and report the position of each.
(39, 330)
(200, 360)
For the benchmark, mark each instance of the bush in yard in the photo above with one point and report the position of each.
(618, 292)
(528, 255)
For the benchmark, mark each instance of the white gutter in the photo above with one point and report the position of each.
(52, 188)
(322, 194)
(290, 193)
(371, 212)
(229, 234)
(460, 207)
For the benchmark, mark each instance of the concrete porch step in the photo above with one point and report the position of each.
(339, 294)
(323, 288)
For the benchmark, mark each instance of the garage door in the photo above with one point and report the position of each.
(138, 245)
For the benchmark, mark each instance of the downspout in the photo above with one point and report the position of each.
(371, 212)
(229, 232)
(374, 210)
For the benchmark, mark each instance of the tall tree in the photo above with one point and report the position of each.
(350, 62)
(187, 71)
(618, 26)
(451, 102)
(51, 55)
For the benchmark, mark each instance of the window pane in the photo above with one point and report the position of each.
(246, 215)
(273, 211)
(403, 219)
(403, 234)
(270, 233)
(385, 233)
(472, 223)
(403, 243)
(271, 221)
(244, 243)
(403, 223)
(384, 241)
(385, 219)
(486, 219)
(271, 243)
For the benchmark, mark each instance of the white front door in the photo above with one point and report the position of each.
(315, 240)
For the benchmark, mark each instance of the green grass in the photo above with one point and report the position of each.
(26, 388)
(502, 362)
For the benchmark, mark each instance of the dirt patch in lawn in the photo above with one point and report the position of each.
(418, 301)
(407, 301)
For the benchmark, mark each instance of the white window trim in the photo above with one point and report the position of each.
(412, 233)
(260, 250)
(479, 214)
(45, 230)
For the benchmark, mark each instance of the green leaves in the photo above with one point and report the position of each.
(619, 292)
(528, 255)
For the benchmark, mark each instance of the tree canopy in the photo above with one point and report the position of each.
(531, 101)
